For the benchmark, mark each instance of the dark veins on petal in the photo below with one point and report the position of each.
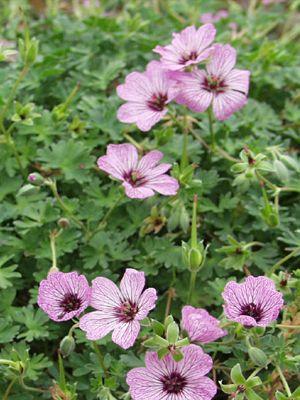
(134, 178)
(127, 311)
(173, 383)
(252, 310)
(214, 84)
(70, 302)
(192, 56)
(157, 102)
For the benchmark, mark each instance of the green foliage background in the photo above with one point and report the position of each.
(95, 48)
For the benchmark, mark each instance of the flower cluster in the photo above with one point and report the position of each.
(176, 78)
(64, 296)
(141, 178)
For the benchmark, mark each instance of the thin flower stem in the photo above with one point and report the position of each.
(12, 95)
(101, 359)
(73, 327)
(30, 388)
(211, 130)
(170, 297)
(63, 206)
(284, 381)
(266, 181)
(53, 235)
(7, 133)
(134, 142)
(8, 390)
(192, 285)
(221, 152)
(255, 372)
(104, 220)
(184, 157)
(62, 376)
(284, 326)
(284, 259)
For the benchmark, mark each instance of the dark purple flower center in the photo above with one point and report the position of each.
(157, 102)
(185, 58)
(214, 84)
(173, 383)
(134, 178)
(70, 302)
(252, 310)
(127, 311)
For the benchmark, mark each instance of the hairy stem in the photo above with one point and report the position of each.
(62, 376)
(100, 359)
(64, 207)
(211, 130)
(192, 285)
(284, 381)
(284, 259)
(8, 390)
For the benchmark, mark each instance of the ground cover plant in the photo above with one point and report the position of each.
(149, 200)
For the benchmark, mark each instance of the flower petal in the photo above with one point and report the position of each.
(97, 324)
(149, 161)
(163, 184)
(192, 94)
(143, 385)
(137, 88)
(222, 61)
(132, 285)
(140, 192)
(123, 156)
(146, 303)
(105, 294)
(238, 79)
(125, 334)
(225, 104)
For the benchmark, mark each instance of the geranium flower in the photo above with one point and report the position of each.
(141, 178)
(200, 325)
(212, 18)
(221, 85)
(148, 95)
(189, 47)
(64, 296)
(167, 379)
(255, 302)
(118, 310)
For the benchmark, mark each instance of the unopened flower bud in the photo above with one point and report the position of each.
(257, 356)
(67, 346)
(63, 223)
(36, 179)
(28, 190)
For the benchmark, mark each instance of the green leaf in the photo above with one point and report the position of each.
(236, 375)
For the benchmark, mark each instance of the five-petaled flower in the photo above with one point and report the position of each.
(200, 325)
(141, 178)
(64, 296)
(118, 310)
(147, 95)
(167, 379)
(189, 47)
(256, 302)
(221, 86)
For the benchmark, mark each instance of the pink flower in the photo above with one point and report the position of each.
(188, 47)
(212, 18)
(141, 178)
(64, 296)
(118, 310)
(147, 95)
(221, 85)
(255, 302)
(200, 325)
(167, 379)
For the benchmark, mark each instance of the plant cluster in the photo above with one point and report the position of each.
(149, 203)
